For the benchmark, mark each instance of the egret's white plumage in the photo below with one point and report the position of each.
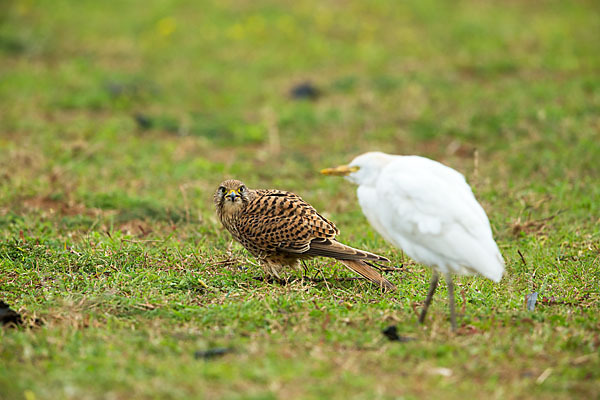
(429, 211)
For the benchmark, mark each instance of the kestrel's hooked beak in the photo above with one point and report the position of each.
(232, 194)
(342, 170)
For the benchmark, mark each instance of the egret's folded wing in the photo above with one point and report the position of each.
(432, 195)
(434, 216)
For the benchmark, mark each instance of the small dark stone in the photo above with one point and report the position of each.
(143, 121)
(212, 353)
(115, 89)
(129, 88)
(391, 332)
(12, 45)
(9, 316)
(305, 91)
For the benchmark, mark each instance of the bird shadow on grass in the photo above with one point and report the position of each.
(349, 282)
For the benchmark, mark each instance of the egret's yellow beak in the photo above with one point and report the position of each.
(342, 170)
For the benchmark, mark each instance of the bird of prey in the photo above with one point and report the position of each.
(429, 211)
(280, 229)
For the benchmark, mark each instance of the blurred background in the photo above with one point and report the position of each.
(119, 119)
(107, 104)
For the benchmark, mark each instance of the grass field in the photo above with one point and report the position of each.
(118, 120)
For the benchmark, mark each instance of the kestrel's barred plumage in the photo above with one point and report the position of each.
(279, 229)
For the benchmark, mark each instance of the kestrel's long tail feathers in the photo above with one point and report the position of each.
(351, 258)
(361, 268)
(334, 249)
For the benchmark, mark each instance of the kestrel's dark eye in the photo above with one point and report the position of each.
(242, 189)
(222, 189)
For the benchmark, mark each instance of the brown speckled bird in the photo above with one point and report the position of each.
(279, 229)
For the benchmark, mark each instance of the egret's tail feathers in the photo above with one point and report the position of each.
(495, 273)
(479, 256)
(367, 272)
(491, 266)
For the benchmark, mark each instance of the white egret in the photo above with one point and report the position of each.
(429, 211)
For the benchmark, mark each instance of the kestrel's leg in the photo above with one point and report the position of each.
(271, 271)
(433, 285)
(305, 268)
(319, 271)
(450, 285)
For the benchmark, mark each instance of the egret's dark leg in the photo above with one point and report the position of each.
(451, 300)
(432, 286)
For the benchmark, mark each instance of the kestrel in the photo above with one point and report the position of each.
(429, 211)
(280, 229)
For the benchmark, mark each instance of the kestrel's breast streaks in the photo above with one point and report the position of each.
(279, 229)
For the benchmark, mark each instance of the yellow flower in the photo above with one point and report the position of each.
(166, 26)
(286, 24)
(236, 32)
(255, 24)
(29, 395)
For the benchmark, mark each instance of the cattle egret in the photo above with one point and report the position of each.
(429, 211)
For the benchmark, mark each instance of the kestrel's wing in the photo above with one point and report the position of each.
(277, 220)
(282, 221)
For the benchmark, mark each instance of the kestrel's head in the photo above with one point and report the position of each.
(231, 196)
(363, 170)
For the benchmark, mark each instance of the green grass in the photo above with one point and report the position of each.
(119, 119)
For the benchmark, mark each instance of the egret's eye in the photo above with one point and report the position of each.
(222, 189)
(242, 189)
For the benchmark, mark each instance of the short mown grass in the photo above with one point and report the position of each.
(119, 119)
